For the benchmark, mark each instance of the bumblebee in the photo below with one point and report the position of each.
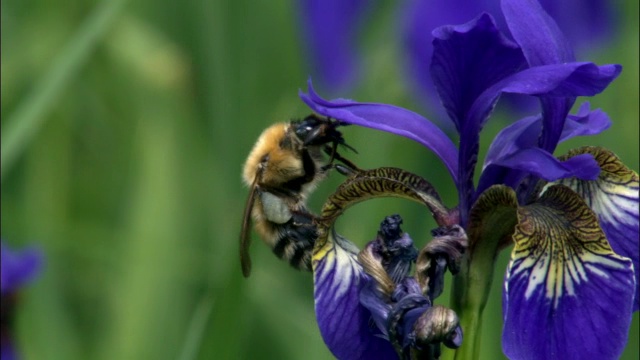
(284, 166)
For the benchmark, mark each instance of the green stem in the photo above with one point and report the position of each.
(470, 293)
(491, 224)
(30, 114)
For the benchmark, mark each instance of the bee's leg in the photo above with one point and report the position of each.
(331, 151)
(335, 155)
(346, 171)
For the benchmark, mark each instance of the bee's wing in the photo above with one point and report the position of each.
(245, 233)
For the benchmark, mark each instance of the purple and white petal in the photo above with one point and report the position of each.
(345, 324)
(567, 295)
(389, 118)
(615, 197)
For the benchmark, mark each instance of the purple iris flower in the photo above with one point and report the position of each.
(331, 29)
(571, 286)
(17, 269)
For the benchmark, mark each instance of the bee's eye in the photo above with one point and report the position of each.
(306, 127)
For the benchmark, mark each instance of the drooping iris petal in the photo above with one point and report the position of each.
(567, 295)
(614, 197)
(387, 118)
(18, 267)
(467, 59)
(344, 323)
(330, 29)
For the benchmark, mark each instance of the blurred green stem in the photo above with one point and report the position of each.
(30, 114)
(197, 327)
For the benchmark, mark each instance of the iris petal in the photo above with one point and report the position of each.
(418, 19)
(467, 59)
(544, 165)
(561, 80)
(615, 197)
(537, 33)
(567, 294)
(389, 118)
(344, 323)
(543, 44)
(557, 85)
(524, 134)
(19, 267)
(330, 29)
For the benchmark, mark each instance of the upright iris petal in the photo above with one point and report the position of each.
(330, 30)
(418, 18)
(543, 43)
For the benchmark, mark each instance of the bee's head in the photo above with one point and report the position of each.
(315, 130)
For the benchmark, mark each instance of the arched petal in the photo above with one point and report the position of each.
(389, 118)
(346, 325)
(524, 134)
(585, 122)
(544, 165)
(615, 197)
(567, 294)
(559, 80)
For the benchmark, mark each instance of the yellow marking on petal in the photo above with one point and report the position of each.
(339, 263)
(615, 195)
(559, 245)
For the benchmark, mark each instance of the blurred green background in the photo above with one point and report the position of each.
(124, 130)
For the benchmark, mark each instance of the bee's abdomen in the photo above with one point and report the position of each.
(295, 240)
